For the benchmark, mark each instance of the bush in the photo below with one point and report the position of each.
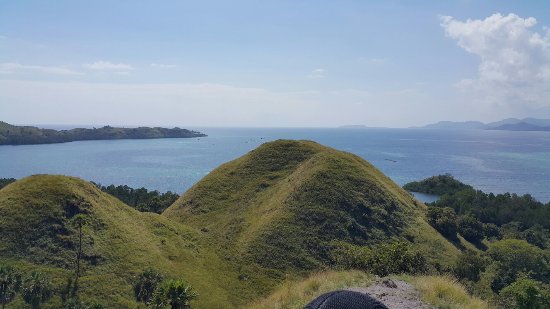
(469, 266)
(513, 257)
(470, 228)
(177, 294)
(443, 220)
(146, 284)
(381, 260)
(525, 294)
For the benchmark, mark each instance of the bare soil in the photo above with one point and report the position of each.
(395, 294)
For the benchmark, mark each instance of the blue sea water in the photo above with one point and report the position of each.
(493, 161)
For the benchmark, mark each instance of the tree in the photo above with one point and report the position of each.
(146, 284)
(10, 283)
(525, 293)
(177, 294)
(36, 289)
(444, 220)
(470, 228)
(469, 266)
(514, 257)
(79, 221)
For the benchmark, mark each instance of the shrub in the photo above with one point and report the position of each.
(10, 283)
(146, 284)
(469, 266)
(470, 228)
(36, 289)
(525, 294)
(177, 294)
(513, 257)
(443, 220)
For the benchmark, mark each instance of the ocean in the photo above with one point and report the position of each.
(492, 161)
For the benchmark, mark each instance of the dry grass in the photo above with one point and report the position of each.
(298, 294)
(446, 293)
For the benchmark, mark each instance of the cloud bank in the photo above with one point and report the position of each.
(514, 69)
(15, 67)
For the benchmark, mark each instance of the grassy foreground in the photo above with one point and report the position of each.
(440, 292)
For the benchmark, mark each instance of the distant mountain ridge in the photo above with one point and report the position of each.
(509, 124)
(29, 135)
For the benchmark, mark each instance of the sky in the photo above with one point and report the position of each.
(298, 63)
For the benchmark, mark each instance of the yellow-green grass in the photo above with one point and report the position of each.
(296, 294)
(281, 206)
(37, 234)
(440, 292)
(270, 216)
(446, 293)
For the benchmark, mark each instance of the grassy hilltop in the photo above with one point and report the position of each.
(273, 215)
(285, 205)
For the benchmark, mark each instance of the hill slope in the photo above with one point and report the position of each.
(283, 207)
(27, 135)
(119, 243)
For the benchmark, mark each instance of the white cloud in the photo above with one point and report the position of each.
(14, 67)
(109, 66)
(163, 66)
(317, 73)
(515, 59)
(373, 61)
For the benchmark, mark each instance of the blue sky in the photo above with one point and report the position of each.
(273, 63)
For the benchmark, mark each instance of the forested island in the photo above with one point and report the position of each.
(29, 135)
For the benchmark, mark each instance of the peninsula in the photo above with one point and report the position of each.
(29, 135)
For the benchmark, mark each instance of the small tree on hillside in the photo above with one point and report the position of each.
(177, 294)
(146, 284)
(36, 289)
(79, 221)
(443, 220)
(471, 229)
(10, 283)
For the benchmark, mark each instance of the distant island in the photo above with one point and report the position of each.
(29, 135)
(510, 124)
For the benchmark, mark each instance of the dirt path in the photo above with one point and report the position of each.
(395, 294)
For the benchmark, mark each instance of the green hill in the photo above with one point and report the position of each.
(284, 206)
(273, 215)
(28, 135)
(119, 243)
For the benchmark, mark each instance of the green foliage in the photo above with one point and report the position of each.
(443, 220)
(470, 228)
(36, 289)
(513, 257)
(145, 285)
(75, 303)
(10, 283)
(25, 135)
(498, 209)
(437, 185)
(141, 199)
(525, 293)
(396, 258)
(176, 293)
(382, 260)
(469, 266)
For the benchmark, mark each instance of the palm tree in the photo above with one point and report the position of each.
(176, 293)
(146, 284)
(10, 283)
(36, 289)
(79, 220)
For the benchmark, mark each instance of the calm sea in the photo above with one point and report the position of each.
(493, 161)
